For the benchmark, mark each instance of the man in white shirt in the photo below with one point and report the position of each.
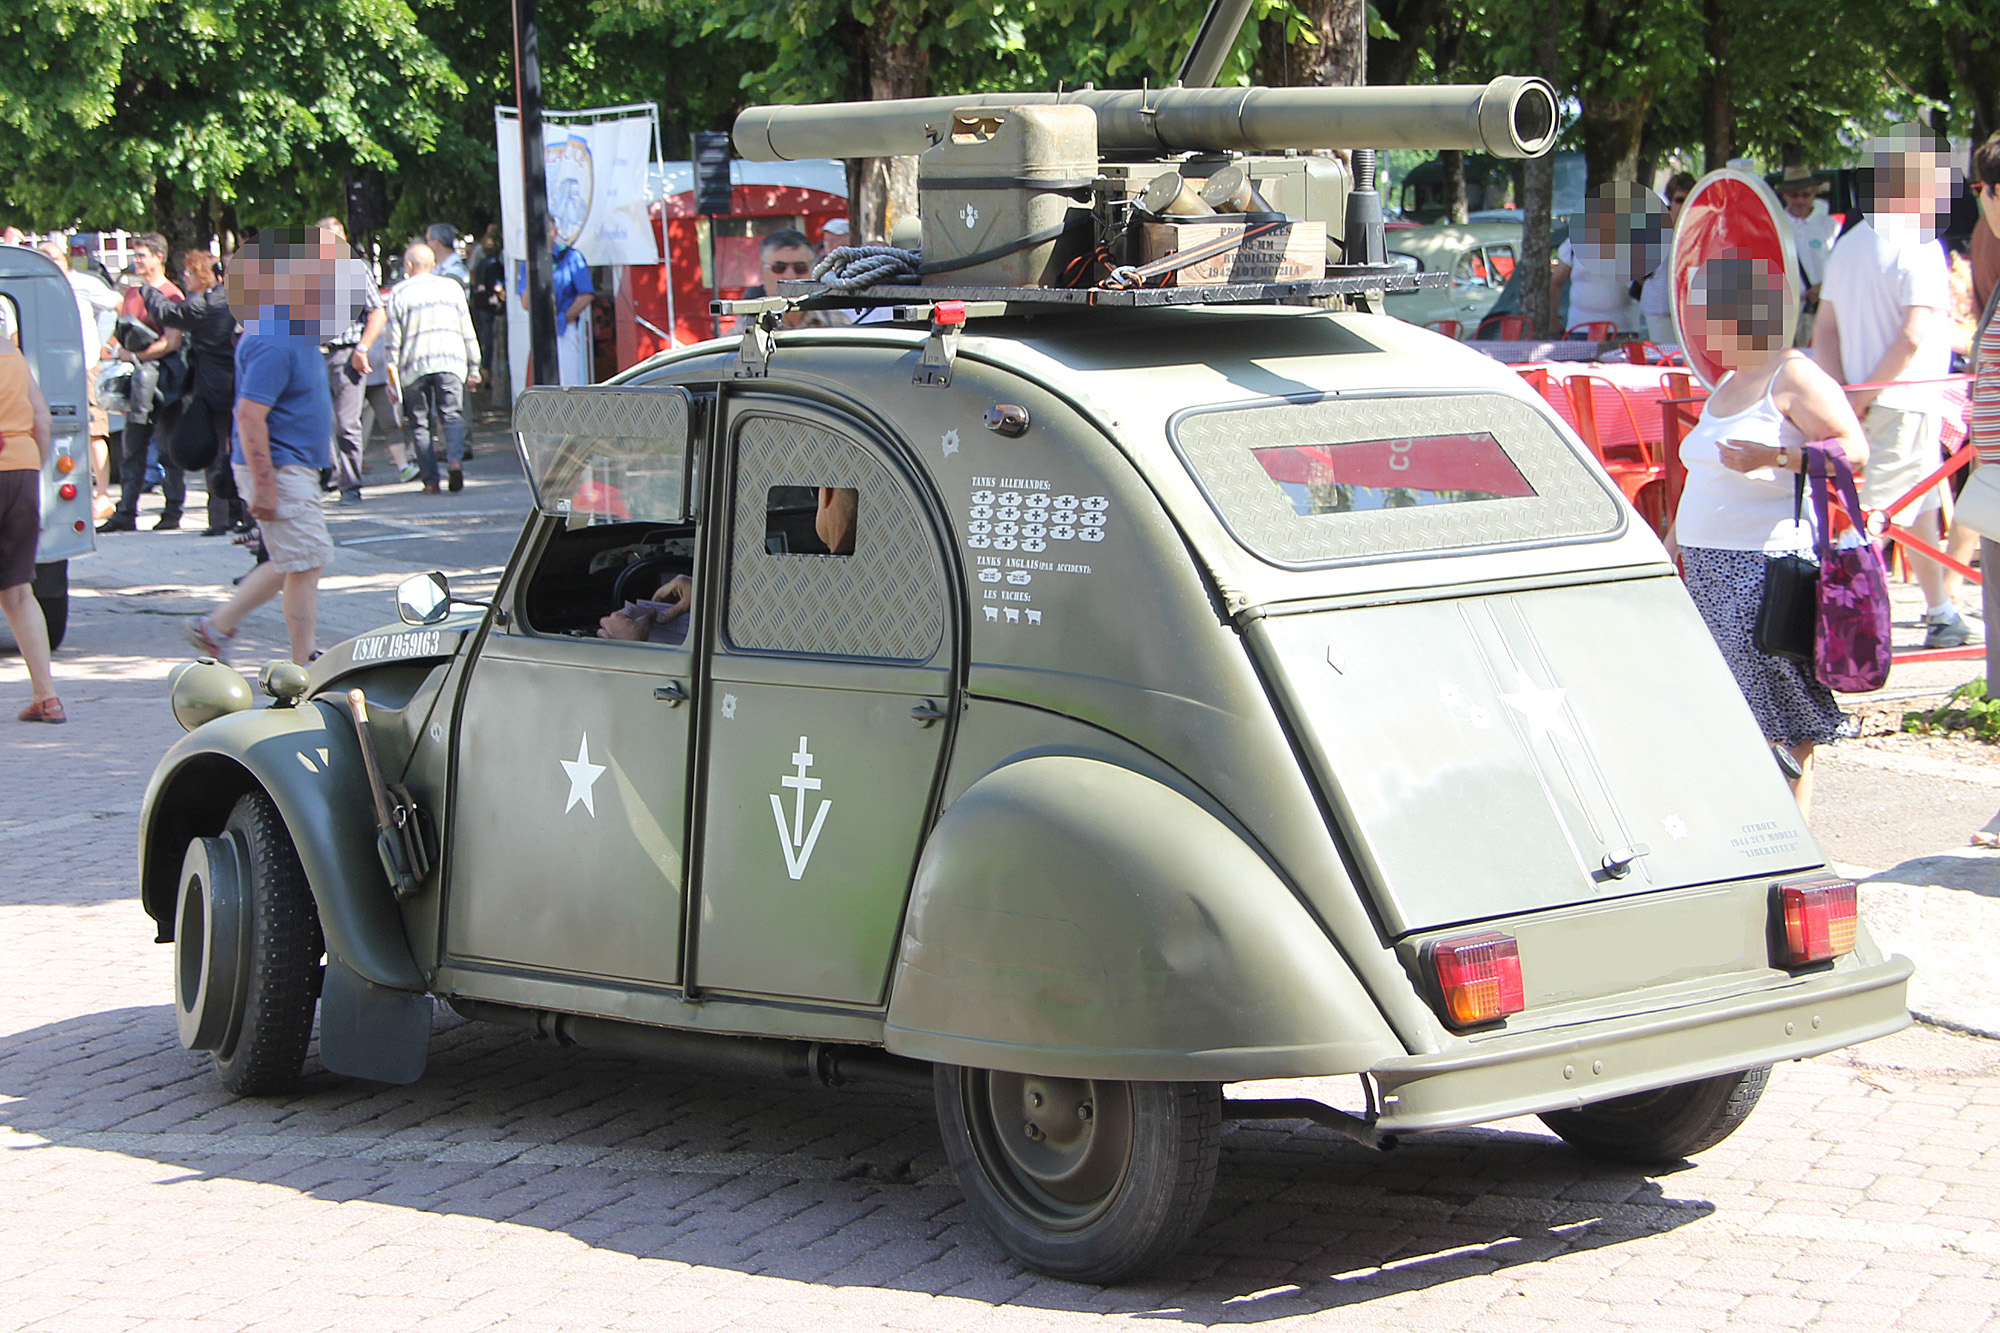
(1814, 232)
(1881, 321)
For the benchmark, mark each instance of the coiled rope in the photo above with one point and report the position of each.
(852, 267)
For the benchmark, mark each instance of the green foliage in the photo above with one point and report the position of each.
(119, 110)
(1968, 710)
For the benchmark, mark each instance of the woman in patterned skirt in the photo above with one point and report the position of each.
(1741, 458)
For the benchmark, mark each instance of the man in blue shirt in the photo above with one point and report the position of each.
(573, 293)
(284, 428)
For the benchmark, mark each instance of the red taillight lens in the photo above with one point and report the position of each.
(1479, 977)
(67, 490)
(78, 525)
(1819, 920)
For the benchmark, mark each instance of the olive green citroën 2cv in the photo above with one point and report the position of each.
(1121, 663)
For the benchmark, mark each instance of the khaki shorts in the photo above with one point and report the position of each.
(1902, 451)
(296, 539)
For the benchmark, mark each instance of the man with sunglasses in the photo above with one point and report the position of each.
(788, 256)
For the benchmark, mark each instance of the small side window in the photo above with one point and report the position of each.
(1500, 258)
(811, 520)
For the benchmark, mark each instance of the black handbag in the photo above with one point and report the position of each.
(1788, 616)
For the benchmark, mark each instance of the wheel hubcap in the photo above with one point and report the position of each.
(1058, 1148)
(210, 944)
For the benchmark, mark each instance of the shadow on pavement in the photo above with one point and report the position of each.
(842, 1188)
(1976, 873)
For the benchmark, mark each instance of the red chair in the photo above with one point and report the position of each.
(1507, 328)
(1635, 466)
(1450, 328)
(1652, 354)
(1596, 331)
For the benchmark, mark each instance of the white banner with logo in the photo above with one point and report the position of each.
(597, 168)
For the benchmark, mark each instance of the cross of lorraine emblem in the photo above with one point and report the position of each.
(794, 839)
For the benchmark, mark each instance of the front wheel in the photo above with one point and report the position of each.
(247, 951)
(1666, 1124)
(1093, 1180)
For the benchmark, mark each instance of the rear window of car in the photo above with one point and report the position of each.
(1364, 478)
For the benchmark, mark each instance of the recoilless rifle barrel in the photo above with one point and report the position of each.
(1509, 117)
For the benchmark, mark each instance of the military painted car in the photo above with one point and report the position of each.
(1072, 692)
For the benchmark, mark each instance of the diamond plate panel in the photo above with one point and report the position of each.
(884, 601)
(616, 452)
(1569, 500)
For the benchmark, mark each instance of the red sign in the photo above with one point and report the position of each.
(1730, 210)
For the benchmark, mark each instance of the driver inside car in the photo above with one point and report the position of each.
(662, 618)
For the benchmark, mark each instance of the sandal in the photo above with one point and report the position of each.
(44, 710)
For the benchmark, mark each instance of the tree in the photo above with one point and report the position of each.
(182, 114)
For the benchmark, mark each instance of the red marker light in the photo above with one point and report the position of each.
(67, 490)
(1820, 918)
(1479, 977)
(948, 312)
(78, 525)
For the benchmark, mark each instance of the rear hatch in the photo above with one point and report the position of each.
(1572, 738)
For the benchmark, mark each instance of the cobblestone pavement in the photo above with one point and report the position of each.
(527, 1188)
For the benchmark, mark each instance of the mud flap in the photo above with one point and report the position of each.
(369, 1031)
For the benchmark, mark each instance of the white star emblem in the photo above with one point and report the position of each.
(1544, 711)
(950, 442)
(583, 776)
(729, 705)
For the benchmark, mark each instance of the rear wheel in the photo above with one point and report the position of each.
(247, 951)
(1093, 1180)
(1666, 1124)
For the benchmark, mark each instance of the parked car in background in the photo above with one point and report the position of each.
(1479, 256)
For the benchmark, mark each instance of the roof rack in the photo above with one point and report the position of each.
(1341, 280)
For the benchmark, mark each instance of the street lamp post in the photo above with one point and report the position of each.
(542, 363)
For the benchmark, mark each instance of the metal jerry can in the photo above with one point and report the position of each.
(998, 193)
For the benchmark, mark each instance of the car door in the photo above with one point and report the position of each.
(570, 798)
(830, 672)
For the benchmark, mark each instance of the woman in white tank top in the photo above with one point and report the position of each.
(1742, 459)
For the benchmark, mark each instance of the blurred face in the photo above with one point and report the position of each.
(1910, 192)
(787, 263)
(1735, 312)
(1676, 201)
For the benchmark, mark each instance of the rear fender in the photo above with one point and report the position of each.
(308, 761)
(1072, 917)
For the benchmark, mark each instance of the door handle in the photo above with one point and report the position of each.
(926, 713)
(673, 693)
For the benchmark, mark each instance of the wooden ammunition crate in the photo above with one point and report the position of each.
(1292, 251)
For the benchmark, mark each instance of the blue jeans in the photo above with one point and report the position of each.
(431, 404)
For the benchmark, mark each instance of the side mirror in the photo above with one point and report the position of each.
(423, 599)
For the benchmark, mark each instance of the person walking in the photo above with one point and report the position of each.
(433, 355)
(24, 447)
(283, 285)
(1881, 323)
(443, 240)
(346, 355)
(156, 377)
(200, 439)
(1742, 460)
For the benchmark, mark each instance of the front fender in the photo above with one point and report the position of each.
(1074, 918)
(308, 761)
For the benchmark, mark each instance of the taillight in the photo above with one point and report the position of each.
(1479, 977)
(1819, 919)
(65, 464)
(67, 490)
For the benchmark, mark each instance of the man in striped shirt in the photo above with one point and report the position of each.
(433, 357)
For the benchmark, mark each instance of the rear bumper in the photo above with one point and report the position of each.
(1570, 1067)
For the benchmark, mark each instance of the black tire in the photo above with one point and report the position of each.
(1115, 1181)
(1666, 1124)
(282, 969)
